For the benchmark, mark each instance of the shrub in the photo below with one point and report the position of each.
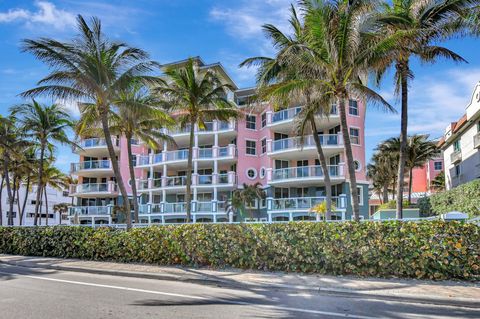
(433, 250)
(464, 198)
(425, 207)
(393, 204)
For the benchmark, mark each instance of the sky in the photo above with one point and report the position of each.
(219, 31)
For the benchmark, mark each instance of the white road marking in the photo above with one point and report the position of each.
(336, 314)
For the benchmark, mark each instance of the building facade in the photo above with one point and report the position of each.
(54, 197)
(260, 146)
(461, 145)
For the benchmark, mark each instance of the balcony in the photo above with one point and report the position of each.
(456, 157)
(476, 140)
(301, 204)
(94, 190)
(92, 168)
(226, 130)
(176, 183)
(180, 208)
(282, 120)
(291, 148)
(305, 175)
(96, 147)
(90, 210)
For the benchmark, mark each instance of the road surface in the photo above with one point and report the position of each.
(49, 294)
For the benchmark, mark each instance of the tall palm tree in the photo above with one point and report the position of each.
(418, 151)
(92, 69)
(60, 208)
(413, 28)
(381, 171)
(284, 80)
(197, 97)
(12, 145)
(44, 125)
(136, 115)
(339, 57)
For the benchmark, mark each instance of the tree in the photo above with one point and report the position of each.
(418, 151)
(53, 178)
(289, 78)
(340, 55)
(44, 125)
(60, 208)
(12, 143)
(413, 29)
(197, 96)
(247, 195)
(438, 183)
(137, 115)
(381, 171)
(91, 69)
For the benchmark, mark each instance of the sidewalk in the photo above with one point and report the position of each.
(443, 292)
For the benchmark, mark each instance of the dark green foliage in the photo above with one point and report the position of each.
(427, 250)
(464, 198)
(425, 207)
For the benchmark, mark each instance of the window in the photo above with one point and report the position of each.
(251, 173)
(438, 166)
(264, 146)
(360, 195)
(251, 147)
(65, 193)
(264, 120)
(458, 171)
(356, 165)
(251, 122)
(353, 107)
(262, 172)
(355, 135)
(456, 146)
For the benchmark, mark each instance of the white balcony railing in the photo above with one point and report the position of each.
(174, 181)
(286, 114)
(94, 142)
(294, 142)
(297, 203)
(456, 156)
(90, 210)
(181, 181)
(109, 187)
(180, 207)
(306, 172)
(91, 165)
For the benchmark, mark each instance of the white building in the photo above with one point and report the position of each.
(461, 145)
(54, 197)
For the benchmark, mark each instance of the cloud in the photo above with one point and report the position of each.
(47, 14)
(70, 106)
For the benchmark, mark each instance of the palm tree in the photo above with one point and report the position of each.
(381, 171)
(136, 115)
(413, 28)
(60, 208)
(197, 97)
(418, 151)
(12, 145)
(339, 56)
(70, 180)
(44, 125)
(93, 69)
(244, 196)
(283, 82)
(53, 178)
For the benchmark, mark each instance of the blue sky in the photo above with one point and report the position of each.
(225, 31)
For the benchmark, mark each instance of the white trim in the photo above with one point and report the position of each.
(264, 172)
(256, 147)
(360, 202)
(350, 135)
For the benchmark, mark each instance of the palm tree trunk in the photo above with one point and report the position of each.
(410, 179)
(27, 187)
(39, 183)
(46, 205)
(40, 208)
(323, 163)
(349, 157)
(9, 188)
(188, 194)
(12, 203)
(116, 168)
(402, 69)
(132, 178)
(385, 193)
(1, 203)
(19, 207)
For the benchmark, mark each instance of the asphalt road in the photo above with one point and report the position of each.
(47, 294)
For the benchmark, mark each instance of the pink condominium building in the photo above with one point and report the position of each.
(260, 146)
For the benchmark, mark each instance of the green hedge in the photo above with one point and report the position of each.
(433, 250)
(464, 198)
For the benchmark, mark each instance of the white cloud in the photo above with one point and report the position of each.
(47, 14)
(71, 107)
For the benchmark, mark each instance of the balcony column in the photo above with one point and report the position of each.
(269, 117)
(164, 196)
(269, 145)
(269, 174)
(214, 218)
(290, 216)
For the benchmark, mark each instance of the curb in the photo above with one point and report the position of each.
(399, 297)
